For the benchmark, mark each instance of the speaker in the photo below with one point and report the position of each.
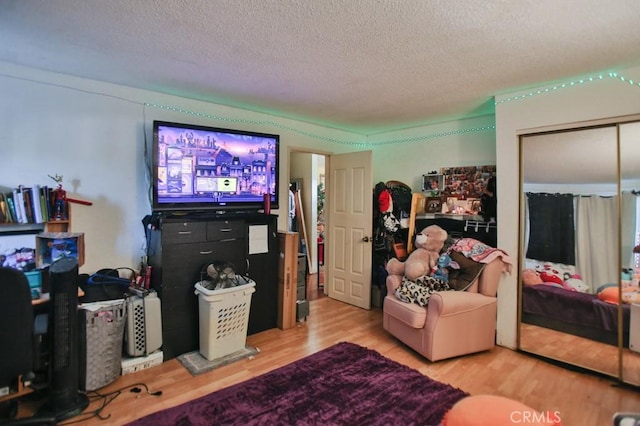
(64, 399)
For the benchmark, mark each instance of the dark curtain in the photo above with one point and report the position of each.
(551, 228)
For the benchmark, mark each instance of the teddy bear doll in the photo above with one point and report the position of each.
(424, 259)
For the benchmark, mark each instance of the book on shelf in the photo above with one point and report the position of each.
(11, 209)
(18, 203)
(44, 203)
(26, 205)
(26, 199)
(3, 209)
(35, 204)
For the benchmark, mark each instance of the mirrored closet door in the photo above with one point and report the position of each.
(578, 231)
(630, 249)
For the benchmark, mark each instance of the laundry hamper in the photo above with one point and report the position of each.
(224, 319)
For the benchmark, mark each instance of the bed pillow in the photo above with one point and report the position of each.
(560, 270)
(461, 279)
(577, 284)
(603, 286)
(609, 293)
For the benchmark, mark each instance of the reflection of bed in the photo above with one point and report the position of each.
(580, 314)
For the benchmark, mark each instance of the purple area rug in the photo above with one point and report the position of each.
(345, 384)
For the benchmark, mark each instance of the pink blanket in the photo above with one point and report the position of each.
(480, 252)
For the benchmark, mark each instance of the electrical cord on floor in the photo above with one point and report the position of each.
(106, 400)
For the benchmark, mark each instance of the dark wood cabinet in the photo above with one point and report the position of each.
(180, 249)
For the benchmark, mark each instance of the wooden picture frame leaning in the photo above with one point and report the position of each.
(433, 205)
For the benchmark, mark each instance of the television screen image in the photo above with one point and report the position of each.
(208, 168)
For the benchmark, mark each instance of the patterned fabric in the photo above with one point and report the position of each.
(480, 252)
(421, 290)
(391, 224)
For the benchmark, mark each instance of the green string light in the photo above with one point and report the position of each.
(421, 138)
(574, 83)
(436, 135)
(319, 137)
(270, 123)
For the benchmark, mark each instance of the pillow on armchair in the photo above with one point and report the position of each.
(461, 279)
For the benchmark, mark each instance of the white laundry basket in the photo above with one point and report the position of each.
(224, 319)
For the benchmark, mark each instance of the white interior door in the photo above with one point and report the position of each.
(350, 220)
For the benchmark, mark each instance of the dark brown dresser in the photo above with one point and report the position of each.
(179, 250)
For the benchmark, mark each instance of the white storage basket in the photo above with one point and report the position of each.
(224, 319)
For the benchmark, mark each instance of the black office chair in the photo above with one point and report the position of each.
(16, 335)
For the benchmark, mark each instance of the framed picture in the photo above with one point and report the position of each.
(474, 205)
(433, 205)
(452, 204)
(433, 182)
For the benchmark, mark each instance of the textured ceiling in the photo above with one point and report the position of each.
(360, 65)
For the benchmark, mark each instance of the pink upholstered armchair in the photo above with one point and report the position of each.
(454, 323)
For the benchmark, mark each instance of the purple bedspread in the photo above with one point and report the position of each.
(580, 309)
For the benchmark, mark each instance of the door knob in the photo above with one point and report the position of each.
(365, 239)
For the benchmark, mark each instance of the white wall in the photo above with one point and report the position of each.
(408, 154)
(578, 102)
(93, 134)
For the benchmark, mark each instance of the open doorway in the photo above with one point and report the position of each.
(307, 182)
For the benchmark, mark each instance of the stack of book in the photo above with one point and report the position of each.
(26, 205)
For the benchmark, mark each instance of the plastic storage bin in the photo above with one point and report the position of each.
(224, 319)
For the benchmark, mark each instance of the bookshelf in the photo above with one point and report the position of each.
(15, 228)
(25, 209)
(63, 225)
(48, 226)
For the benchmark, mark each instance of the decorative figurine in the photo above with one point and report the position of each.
(59, 200)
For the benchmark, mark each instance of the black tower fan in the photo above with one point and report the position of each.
(65, 400)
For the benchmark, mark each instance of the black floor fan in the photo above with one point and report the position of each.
(64, 399)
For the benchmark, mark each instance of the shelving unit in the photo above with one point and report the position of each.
(60, 225)
(464, 225)
(49, 226)
(21, 228)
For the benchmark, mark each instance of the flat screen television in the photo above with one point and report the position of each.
(210, 169)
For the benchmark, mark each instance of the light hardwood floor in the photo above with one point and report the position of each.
(581, 399)
(581, 352)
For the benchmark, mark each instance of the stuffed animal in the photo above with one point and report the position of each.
(423, 260)
(575, 281)
(549, 277)
(610, 294)
(221, 275)
(442, 271)
(531, 277)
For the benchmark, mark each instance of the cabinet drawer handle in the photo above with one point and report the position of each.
(184, 232)
(206, 252)
(226, 240)
(226, 229)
